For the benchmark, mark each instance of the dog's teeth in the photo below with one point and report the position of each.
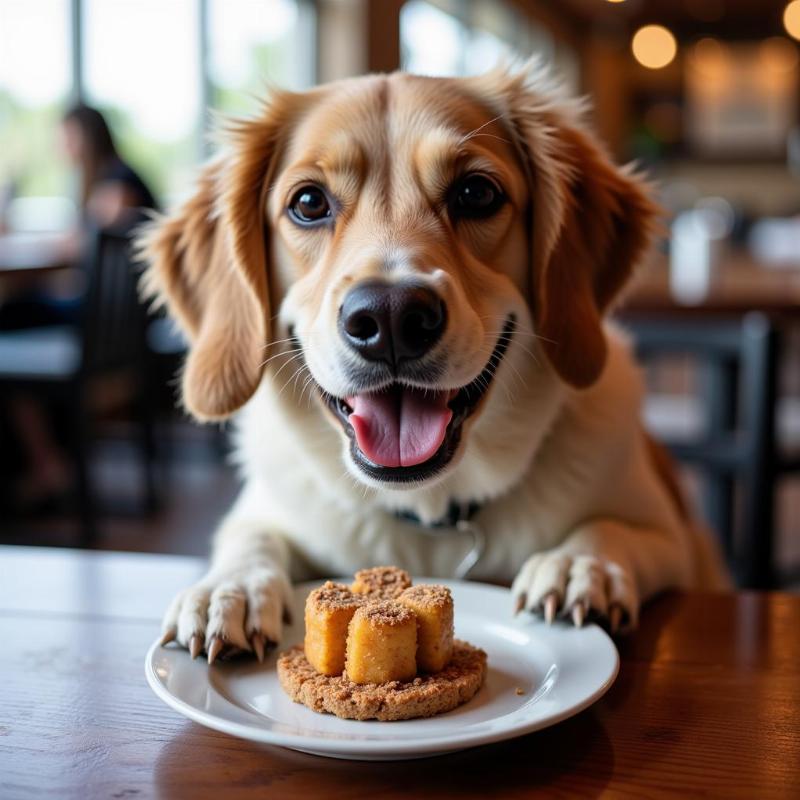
(195, 645)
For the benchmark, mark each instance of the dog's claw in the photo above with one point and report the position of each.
(550, 606)
(214, 648)
(614, 617)
(287, 615)
(520, 603)
(257, 643)
(578, 614)
(195, 645)
(169, 636)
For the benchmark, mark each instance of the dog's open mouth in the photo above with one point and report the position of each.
(404, 433)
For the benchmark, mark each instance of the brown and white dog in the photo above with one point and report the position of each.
(398, 285)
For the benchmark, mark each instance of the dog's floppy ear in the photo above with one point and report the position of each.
(208, 265)
(591, 223)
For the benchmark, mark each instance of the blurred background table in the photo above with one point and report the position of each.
(741, 284)
(706, 703)
(34, 252)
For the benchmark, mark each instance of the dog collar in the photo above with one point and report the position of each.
(456, 513)
(459, 517)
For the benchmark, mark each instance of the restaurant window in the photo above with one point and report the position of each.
(151, 67)
(142, 69)
(432, 42)
(255, 44)
(454, 37)
(35, 83)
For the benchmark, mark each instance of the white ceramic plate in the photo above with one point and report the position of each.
(559, 669)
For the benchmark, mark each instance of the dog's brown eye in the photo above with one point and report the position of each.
(309, 205)
(475, 197)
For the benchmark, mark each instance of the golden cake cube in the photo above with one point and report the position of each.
(433, 606)
(329, 610)
(381, 583)
(382, 643)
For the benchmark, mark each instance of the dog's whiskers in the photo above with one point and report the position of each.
(490, 136)
(308, 382)
(291, 339)
(296, 373)
(290, 360)
(477, 130)
(285, 353)
(296, 377)
(517, 331)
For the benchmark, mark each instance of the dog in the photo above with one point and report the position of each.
(398, 284)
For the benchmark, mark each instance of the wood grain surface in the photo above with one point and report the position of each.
(707, 703)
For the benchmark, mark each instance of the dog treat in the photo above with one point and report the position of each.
(382, 643)
(329, 610)
(381, 649)
(384, 583)
(433, 606)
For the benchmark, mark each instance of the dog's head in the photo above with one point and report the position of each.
(401, 245)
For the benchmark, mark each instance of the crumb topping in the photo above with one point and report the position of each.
(428, 596)
(382, 581)
(334, 596)
(386, 612)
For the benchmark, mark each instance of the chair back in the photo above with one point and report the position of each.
(113, 325)
(739, 361)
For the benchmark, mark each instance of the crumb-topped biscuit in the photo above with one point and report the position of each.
(424, 696)
(433, 606)
(381, 643)
(381, 649)
(381, 583)
(329, 610)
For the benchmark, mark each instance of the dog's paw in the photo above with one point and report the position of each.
(226, 614)
(578, 587)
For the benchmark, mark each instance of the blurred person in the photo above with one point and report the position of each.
(111, 192)
(111, 195)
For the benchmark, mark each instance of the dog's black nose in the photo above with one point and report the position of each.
(392, 322)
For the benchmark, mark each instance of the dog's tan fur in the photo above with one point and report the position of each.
(578, 506)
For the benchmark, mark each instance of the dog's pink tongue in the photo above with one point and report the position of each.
(400, 427)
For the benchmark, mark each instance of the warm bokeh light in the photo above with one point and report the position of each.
(615, 1)
(791, 19)
(654, 46)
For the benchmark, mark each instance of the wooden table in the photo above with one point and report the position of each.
(741, 284)
(26, 253)
(707, 703)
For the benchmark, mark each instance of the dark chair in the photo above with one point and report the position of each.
(738, 359)
(63, 364)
